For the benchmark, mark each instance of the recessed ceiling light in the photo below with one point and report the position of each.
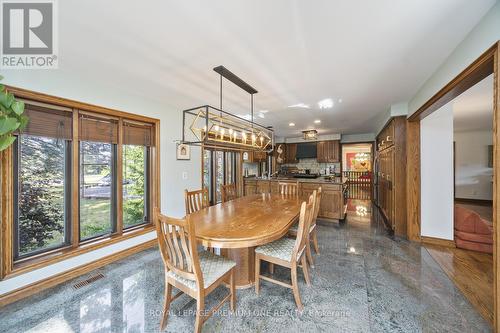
(264, 111)
(340, 100)
(326, 103)
(291, 124)
(299, 105)
(317, 121)
(261, 115)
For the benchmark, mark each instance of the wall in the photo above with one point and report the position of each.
(64, 84)
(482, 37)
(473, 177)
(355, 149)
(436, 148)
(364, 137)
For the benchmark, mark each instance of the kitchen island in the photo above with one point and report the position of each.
(333, 204)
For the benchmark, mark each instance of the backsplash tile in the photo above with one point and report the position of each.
(313, 165)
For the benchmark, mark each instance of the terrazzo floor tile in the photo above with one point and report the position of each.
(364, 280)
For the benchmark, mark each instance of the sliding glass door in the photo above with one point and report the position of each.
(219, 168)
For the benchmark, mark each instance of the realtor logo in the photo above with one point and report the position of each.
(28, 34)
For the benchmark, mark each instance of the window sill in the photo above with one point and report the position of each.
(60, 254)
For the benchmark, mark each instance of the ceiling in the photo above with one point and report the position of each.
(473, 110)
(369, 54)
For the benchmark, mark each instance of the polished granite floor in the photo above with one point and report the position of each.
(364, 281)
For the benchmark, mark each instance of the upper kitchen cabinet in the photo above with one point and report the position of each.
(259, 156)
(328, 151)
(291, 153)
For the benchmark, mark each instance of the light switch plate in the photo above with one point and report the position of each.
(184, 175)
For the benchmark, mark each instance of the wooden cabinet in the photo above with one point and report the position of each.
(275, 187)
(391, 174)
(328, 151)
(250, 186)
(263, 186)
(333, 204)
(291, 153)
(259, 156)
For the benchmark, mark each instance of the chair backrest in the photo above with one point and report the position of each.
(196, 200)
(317, 202)
(228, 192)
(289, 188)
(178, 247)
(305, 218)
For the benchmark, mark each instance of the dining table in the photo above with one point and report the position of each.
(238, 226)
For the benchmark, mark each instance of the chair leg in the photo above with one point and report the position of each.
(166, 305)
(315, 241)
(305, 270)
(295, 288)
(200, 309)
(233, 291)
(309, 254)
(257, 274)
(271, 268)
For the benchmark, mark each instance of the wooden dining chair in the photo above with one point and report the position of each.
(194, 273)
(196, 200)
(228, 192)
(288, 252)
(312, 237)
(289, 188)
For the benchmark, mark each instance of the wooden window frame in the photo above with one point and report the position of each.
(9, 268)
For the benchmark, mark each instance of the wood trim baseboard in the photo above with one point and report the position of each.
(438, 241)
(479, 202)
(54, 280)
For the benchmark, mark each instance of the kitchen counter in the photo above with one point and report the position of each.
(333, 204)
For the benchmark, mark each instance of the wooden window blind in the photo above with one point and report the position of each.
(97, 129)
(48, 122)
(137, 134)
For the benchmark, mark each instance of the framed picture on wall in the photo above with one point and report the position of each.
(183, 152)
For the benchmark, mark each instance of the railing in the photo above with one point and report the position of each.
(359, 184)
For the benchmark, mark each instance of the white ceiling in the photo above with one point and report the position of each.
(371, 54)
(473, 110)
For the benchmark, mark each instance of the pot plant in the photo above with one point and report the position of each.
(11, 117)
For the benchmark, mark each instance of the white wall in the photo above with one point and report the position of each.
(67, 85)
(483, 36)
(473, 177)
(436, 148)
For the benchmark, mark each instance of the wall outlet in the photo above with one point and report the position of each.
(184, 175)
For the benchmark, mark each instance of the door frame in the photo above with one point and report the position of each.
(488, 63)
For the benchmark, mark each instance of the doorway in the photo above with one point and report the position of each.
(357, 169)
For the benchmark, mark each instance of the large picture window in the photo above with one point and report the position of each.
(41, 172)
(78, 177)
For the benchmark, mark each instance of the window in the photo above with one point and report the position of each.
(102, 163)
(219, 168)
(41, 196)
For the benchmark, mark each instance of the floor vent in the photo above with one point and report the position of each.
(88, 281)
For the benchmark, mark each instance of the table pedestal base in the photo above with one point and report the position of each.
(244, 272)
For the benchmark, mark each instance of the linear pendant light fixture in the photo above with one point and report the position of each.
(212, 127)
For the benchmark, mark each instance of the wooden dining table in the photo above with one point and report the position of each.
(240, 225)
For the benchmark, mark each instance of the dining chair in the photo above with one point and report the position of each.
(312, 237)
(289, 188)
(196, 200)
(194, 273)
(228, 192)
(288, 252)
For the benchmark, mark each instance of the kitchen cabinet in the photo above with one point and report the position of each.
(391, 174)
(250, 186)
(328, 151)
(259, 156)
(263, 186)
(333, 204)
(291, 153)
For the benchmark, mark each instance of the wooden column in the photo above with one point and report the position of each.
(413, 179)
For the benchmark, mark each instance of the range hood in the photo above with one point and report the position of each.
(306, 150)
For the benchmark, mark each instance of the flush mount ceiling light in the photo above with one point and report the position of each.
(326, 103)
(310, 134)
(210, 127)
(317, 121)
(264, 111)
(299, 105)
(291, 124)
